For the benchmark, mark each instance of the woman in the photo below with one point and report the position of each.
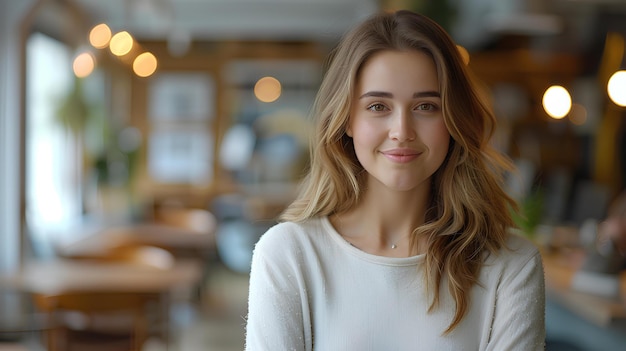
(398, 239)
(612, 231)
(609, 254)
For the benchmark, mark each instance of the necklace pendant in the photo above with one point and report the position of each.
(393, 246)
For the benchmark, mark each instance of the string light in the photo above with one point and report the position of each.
(84, 64)
(145, 64)
(99, 36)
(121, 43)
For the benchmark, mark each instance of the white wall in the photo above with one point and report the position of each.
(11, 13)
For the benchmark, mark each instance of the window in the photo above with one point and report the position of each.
(53, 156)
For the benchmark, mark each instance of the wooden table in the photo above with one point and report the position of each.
(560, 268)
(181, 242)
(66, 275)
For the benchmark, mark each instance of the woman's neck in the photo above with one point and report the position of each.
(384, 220)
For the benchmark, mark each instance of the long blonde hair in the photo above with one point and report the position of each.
(469, 211)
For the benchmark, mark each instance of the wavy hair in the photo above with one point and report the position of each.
(468, 215)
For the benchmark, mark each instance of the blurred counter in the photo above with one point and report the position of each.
(560, 268)
(585, 321)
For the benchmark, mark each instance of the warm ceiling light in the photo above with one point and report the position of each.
(100, 36)
(145, 64)
(557, 101)
(617, 88)
(84, 64)
(121, 43)
(267, 89)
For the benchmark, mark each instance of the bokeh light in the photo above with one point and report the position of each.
(557, 101)
(100, 36)
(121, 43)
(578, 115)
(616, 88)
(267, 89)
(84, 64)
(145, 64)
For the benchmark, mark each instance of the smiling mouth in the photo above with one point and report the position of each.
(401, 156)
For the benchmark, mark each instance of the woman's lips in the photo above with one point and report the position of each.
(401, 155)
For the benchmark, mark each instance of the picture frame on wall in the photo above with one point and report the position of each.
(181, 155)
(181, 109)
(182, 97)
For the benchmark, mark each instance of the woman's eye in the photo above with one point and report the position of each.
(426, 107)
(376, 107)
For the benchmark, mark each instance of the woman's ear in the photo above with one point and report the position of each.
(349, 131)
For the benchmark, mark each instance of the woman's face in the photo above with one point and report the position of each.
(396, 122)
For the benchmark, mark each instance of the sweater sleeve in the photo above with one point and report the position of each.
(276, 303)
(519, 319)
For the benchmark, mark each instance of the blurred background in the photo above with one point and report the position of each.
(146, 145)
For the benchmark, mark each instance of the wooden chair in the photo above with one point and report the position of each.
(149, 256)
(93, 320)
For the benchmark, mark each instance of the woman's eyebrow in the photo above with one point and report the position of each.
(385, 94)
(376, 94)
(426, 94)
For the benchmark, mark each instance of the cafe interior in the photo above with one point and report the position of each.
(146, 145)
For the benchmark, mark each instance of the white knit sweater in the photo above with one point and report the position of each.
(311, 290)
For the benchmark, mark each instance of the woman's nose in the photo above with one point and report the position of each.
(402, 128)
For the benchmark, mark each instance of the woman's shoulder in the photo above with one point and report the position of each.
(517, 250)
(522, 244)
(284, 235)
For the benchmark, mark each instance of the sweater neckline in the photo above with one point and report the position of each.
(381, 260)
